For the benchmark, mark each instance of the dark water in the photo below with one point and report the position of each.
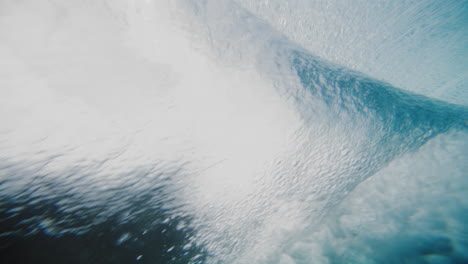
(149, 238)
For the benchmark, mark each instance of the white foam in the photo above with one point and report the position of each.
(103, 88)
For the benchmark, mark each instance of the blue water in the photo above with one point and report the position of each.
(233, 132)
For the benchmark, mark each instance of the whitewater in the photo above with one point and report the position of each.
(265, 132)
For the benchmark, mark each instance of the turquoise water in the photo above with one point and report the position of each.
(233, 132)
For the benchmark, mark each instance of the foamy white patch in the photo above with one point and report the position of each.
(186, 90)
(410, 211)
(111, 89)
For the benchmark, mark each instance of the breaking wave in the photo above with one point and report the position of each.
(228, 132)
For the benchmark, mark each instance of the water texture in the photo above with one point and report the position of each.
(288, 132)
